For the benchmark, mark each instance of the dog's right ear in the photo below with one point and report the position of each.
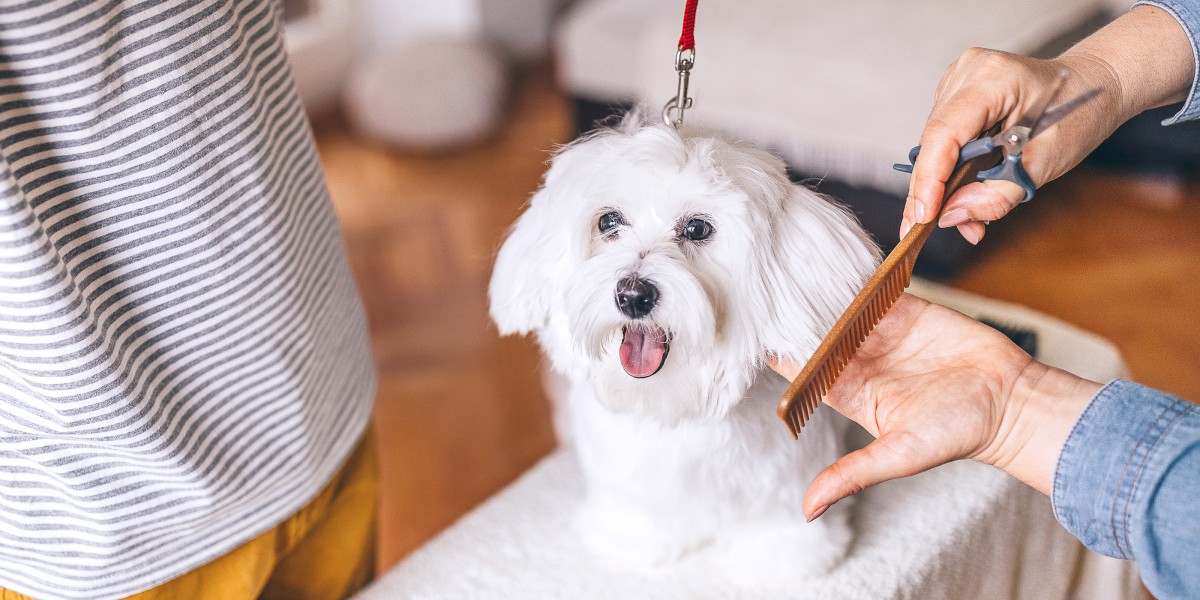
(548, 240)
(520, 293)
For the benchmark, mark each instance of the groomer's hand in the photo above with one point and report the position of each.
(1141, 60)
(936, 386)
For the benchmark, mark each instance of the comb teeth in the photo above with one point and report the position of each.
(847, 337)
(867, 309)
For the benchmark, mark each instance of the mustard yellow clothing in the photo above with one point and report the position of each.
(326, 551)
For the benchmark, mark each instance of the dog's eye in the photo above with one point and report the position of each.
(610, 221)
(697, 229)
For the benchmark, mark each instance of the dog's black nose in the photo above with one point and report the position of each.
(636, 297)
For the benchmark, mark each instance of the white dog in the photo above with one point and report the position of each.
(659, 271)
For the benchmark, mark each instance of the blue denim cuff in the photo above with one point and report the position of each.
(1107, 455)
(1188, 15)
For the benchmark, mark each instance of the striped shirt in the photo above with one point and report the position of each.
(183, 356)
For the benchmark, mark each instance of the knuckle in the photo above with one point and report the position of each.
(910, 451)
(849, 482)
(996, 201)
(993, 207)
(977, 56)
(937, 127)
(939, 141)
(995, 59)
(972, 54)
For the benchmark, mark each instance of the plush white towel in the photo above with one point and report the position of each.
(963, 530)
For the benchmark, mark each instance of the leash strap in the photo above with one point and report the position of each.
(687, 40)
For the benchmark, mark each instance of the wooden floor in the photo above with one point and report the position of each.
(460, 411)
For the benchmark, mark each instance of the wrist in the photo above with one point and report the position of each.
(1042, 407)
(1115, 104)
(1142, 60)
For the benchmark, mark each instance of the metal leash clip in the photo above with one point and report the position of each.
(681, 101)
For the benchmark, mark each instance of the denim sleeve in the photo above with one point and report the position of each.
(1128, 484)
(1187, 12)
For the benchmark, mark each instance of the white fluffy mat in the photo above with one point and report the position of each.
(963, 530)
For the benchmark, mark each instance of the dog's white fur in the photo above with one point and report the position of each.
(693, 455)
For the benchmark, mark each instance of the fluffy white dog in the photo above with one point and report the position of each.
(659, 271)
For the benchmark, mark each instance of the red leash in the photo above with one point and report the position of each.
(687, 40)
(685, 59)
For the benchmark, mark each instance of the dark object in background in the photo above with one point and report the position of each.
(945, 253)
(1025, 338)
(1143, 146)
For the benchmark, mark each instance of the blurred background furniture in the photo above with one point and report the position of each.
(417, 76)
(321, 42)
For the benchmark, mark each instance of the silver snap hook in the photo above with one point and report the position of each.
(673, 112)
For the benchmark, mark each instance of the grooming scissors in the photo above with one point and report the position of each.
(1011, 141)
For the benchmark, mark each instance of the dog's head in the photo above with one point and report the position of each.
(665, 268)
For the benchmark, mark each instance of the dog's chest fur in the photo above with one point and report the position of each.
(743, 464)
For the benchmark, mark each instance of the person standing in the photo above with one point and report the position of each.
(185, 377)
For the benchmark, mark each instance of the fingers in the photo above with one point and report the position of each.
(978, 204)
(787, 368)
(940, 145)
(982, 201)
(972, 231)
(893, 455)
(978, 90)
(952, 124)
(845, 394)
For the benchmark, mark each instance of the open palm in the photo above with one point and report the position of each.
(931, 384)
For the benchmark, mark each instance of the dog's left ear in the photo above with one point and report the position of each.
(546, 242)
(818, 260)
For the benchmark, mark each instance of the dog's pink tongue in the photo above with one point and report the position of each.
(643, 352)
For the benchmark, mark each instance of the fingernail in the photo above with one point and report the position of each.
(818, 513)
(954, 218)
(904, 227)
(971, 235)
(919, 211)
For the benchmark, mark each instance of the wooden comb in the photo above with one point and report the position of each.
(876, 298)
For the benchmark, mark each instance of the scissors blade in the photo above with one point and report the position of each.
(1035, 112)
(1056, 114)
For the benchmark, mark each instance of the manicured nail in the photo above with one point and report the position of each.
(818, 513)
(919, 211)
(954, 218)
(905, 225)
(971, 235)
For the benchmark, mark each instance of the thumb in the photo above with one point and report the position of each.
(891, 456)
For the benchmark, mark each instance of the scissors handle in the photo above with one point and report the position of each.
(1009, 169)
(973, 149)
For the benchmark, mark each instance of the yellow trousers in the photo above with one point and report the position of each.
(326, 551)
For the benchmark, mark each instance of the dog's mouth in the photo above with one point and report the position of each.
(643, 352)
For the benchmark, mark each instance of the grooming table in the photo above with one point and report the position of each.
(963, 530)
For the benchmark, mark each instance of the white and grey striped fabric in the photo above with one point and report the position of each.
(183, 356)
